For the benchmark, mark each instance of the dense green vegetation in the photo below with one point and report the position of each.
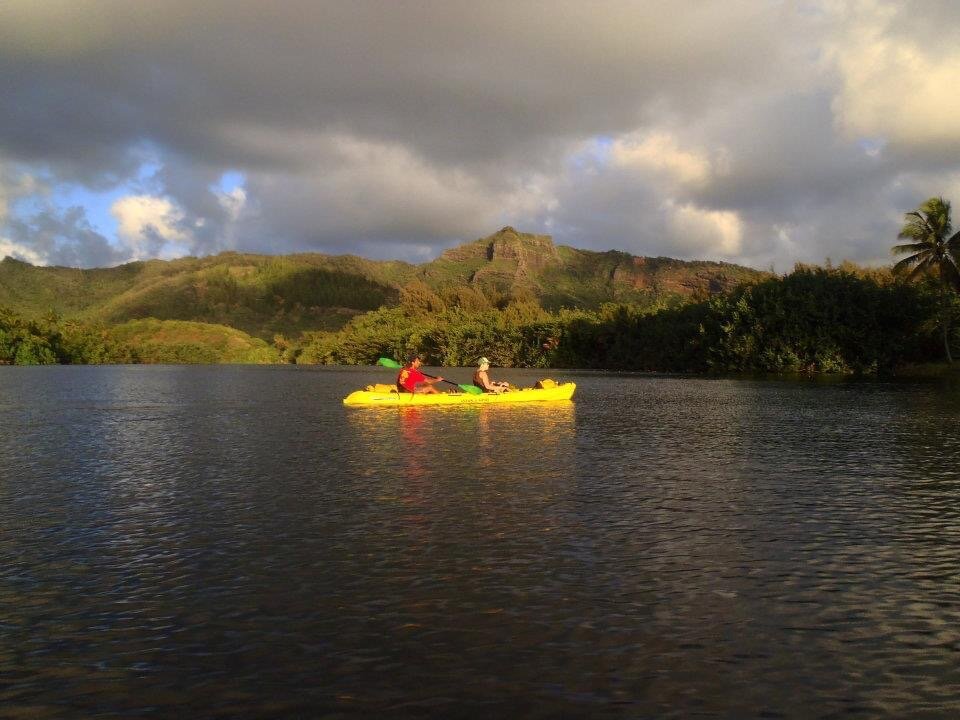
(181, 341)
(812, 320)
(258, 294)
(287, 295)
(52, 340)
(933, 251)
(514, 298)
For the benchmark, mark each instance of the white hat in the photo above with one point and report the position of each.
(482, 361)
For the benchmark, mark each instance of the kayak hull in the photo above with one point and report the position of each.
(364, 397)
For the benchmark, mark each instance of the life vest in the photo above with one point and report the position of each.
(381, 388)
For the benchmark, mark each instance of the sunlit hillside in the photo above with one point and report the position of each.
(259, 294)
(269, 295)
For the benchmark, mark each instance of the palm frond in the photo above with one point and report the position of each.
(911, 247)
(922, 269)
(916, 228)
(950, 273)
(906, 263)
(911, 233)
(937, 212)
(930, 252)
(953, 245)
(925, 220)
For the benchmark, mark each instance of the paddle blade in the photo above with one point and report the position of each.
(387, 362)
(472, 389)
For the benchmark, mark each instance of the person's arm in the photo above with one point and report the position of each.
(481, 379)
(428, 379)
(493, 384)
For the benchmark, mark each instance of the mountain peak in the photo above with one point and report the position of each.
(506, 244)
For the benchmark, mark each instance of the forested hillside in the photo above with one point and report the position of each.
(515, 298)
(259, 294)
(269, 295)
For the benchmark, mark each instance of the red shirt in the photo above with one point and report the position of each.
(408, 378)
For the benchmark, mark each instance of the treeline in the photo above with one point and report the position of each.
(51, 340)
(817, 320)
(814, 320)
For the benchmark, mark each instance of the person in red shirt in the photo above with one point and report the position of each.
(410, 379)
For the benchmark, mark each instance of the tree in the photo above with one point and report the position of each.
(418, 298)
(934, 251)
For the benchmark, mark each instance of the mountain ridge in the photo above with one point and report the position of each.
(269, 294)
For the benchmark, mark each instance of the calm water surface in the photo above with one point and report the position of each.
(233, 542)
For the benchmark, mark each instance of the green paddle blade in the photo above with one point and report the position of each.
(387, 362)
(472, 389)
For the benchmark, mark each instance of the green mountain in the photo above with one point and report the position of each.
(264, 295)
(259, 294)
(511, 263)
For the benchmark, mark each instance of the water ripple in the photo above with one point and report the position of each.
(233, 542)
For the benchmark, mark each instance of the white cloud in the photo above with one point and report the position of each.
(150, 226)
(15, 184)
(660, 151)
(897, 81)
(704, 232)
(236, 209)
(20, 252)
(233, 202)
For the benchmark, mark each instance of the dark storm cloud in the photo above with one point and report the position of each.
(455, 80)
(400, 128)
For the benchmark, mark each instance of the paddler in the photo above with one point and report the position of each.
(411, 380)
(482, 379)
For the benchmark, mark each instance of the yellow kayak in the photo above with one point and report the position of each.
(394, 399)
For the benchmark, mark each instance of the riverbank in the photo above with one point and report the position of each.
(944, 370)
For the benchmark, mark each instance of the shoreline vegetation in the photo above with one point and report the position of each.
(512, 297)
(815, 320)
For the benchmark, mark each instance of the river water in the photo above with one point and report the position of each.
(234, 542)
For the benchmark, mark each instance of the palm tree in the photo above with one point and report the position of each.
(934, 251)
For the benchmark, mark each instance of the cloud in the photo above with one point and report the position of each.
(364, 191)
(20, 252)
(150, 226)
(640, 191)
(694, 228)
(14, 185)
(53, 236)
(897, 80)
(431, 75)
(752, 130)
(659, 151)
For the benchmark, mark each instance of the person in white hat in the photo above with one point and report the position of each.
(482, 380)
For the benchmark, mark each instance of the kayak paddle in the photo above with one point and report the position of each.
(394, 365)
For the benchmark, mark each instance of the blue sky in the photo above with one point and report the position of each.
(752, 131)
